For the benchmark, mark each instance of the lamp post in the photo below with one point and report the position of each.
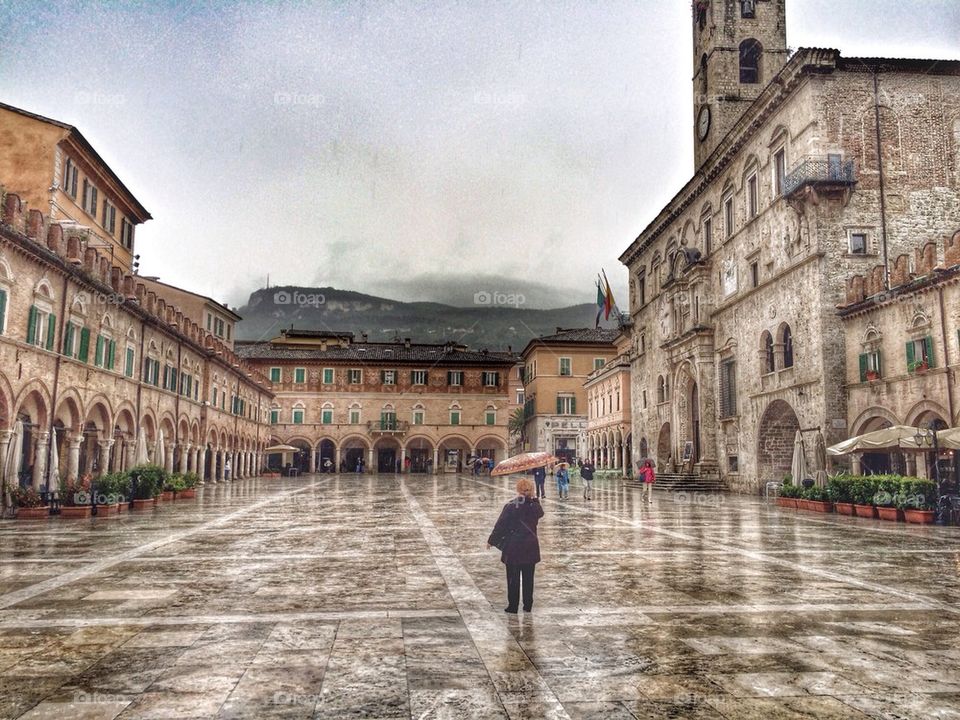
(927, 437)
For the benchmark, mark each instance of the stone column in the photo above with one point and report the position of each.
(202, 465)
(624, 462)
(5, 437)
(105, 447)
(168, 458)
(436, 459)
(73, 455)
(40, 460)
(370, 460)
(403, 459)
(217, 469)
(184, 454)
(313, 460)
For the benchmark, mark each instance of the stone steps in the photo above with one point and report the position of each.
(674, 482)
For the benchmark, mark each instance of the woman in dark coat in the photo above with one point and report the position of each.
(515, 535)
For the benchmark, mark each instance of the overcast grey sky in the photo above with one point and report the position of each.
(412, 150)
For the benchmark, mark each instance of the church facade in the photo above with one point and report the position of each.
(811, 168)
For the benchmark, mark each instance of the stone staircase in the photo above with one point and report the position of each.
(674, 482)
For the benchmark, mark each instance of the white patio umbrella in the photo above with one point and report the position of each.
(159, 450)
(140, 456)
(898, 437)
(798, 468)
(949, 439)
(53, 466)
(821, 460)
(12, 462)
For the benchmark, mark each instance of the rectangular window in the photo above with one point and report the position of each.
(598, 363)
(753, 196)
(455, 377)
(274, 417)
(728, 217)
(328, 376)
(733, 463)
(779, 171)
(520, 397)
(565, 366)
(298, 417)
(326, 417)
(491, 379)
(418, 417)
(454, 417)
(300, 375)
(70, 179)
(870, 366)
(728, 388)
(755, 274)
(213, 396)
(126, 234)
(491, 417)
(388, 377)
(418, 377)
(209, 322)
(274, 375)
(920, 355)
(707, 236)
(641, 290)
(83, 353)
(566, 405)
(109, 217)
(354, 376)
(354, 417)
(98, 353)
(858, 243)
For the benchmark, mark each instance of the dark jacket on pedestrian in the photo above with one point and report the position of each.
(586, 471)
(516, 532)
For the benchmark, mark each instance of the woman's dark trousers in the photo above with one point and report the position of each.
(516, 573)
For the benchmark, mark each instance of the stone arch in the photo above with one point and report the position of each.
(491, 446)
(751, 61)
(926, 411)
(34, 400)
(768, 355)
(148, 423)
(785, 343)
(6, 396)
(870, 419)
(420, 452)
(69, 412)
(776, 433)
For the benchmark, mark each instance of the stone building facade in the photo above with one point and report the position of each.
(341, 400)
(89, 359)
(837, 164)
(555, 400)
(903, 352)
(609, 424)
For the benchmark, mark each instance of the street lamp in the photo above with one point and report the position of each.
(927, 437)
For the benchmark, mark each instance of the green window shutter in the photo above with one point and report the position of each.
(32, 326)
(559, 405)
(863, 367)
(84, 353)
(573, 406)
(156, 373)
(98, 353)
(910, 355)
(68, 333)
(3, 308)
(111, 354)
(931, 360)
(880, 363)
(128, 370)
(51, 330)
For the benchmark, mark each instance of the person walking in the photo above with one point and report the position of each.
(647, 476)
(540, 478)
(515, 535)
(563, 481)
(226, 470)
(586, 472)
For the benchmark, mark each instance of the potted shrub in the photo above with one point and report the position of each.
(917, 499)
(147, 484)
(190, 482)
(29, 504)
(839, 493)
(887, 497)
(788, 495)
(818, 499)
(872, 375)
(109, 493)
(75, 500)
(171, 486)
(863, 489)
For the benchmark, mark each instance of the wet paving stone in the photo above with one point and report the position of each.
(375, 597)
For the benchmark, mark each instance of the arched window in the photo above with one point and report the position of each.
(769, 358)
(703, 77)
(750, 53)
(786, 339)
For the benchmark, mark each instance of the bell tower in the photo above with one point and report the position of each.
(738, 46)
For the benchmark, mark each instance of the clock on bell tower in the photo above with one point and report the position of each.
(738, 46)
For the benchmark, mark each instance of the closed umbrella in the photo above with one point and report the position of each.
(140, 456)
(821, 458)
(158, 449)
(53, 467)
(13, 462)
(522, 462)
(798, 468)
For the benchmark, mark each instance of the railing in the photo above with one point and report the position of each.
(392, 427)
(819, 171)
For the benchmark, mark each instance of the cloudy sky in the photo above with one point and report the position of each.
(421, 151)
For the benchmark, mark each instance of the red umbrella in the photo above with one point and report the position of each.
(522, 462)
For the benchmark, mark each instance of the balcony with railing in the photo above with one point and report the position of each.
(827, 172)
(387, 426)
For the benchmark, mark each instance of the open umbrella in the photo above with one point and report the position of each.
(898, 437)
(798, 468)
(140, 456)
(12, 462)
(821, 459)
(53, 467)
(949, 439)
(523, 462)
(281, 449)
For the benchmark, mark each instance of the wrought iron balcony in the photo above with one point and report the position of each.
(388, 427)
(829, 171)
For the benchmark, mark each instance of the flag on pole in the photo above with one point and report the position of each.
(608, 301)
(601, 302)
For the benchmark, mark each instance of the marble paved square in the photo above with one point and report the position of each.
(375, 597)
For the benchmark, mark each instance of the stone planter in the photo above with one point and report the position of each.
(865, 511)
(33, 513)
(167, 495)
(822, 506)
(844, 508)
(75, 511)
(918, 517)
(187, 494)
(890, 513)
(105, 510)
(144, 504)
(787, 502)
